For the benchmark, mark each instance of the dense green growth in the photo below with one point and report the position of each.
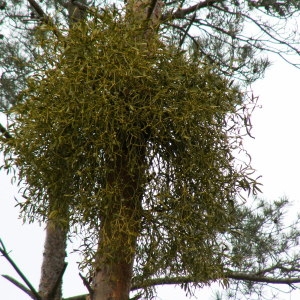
(119, 124)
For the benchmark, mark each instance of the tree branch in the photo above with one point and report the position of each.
(20, 286)
(44, 17)
(87, 285)
(151, 9)
(5, 132)
(162, 281)
(187, 30)
(79, 297)
(230, 275)
(38, 9)
(180, 13)
(262, 28)
(206, 55)
(186, 279)
(81, 5)
(6, 255)
(263, 279)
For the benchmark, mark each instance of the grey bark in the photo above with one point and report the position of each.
(53, 262)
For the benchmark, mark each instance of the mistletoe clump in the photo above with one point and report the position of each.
(135, 138)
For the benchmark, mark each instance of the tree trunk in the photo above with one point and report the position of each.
(120, 225)
(112, 280)
(53, 262)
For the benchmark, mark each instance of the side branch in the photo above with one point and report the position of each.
(4, 252)
(151, 9)
(235, 276)
(162, 281)
(38, 9)
(180, 13)
(87, 285)
(5, 132)
(44, 17)
(263, 279)
(183, 280)
(20, 286)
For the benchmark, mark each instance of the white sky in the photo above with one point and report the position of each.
(275, 155)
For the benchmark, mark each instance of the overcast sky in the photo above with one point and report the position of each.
(275, 155)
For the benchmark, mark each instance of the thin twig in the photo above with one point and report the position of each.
(187, 30)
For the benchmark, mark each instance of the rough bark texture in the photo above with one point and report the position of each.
(113, 276)
(113, 280)
(53, 261)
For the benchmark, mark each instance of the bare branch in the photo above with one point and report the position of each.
(5, 132)
(79, 297)
(87, 285)
(6, 255)
(180, 13)
(183, 280)
(151, 9)
(44, 17)
(262, 28)
(20, 286)
(187, 30)
(38, 9)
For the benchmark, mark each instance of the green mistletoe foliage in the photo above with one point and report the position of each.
(132, 133)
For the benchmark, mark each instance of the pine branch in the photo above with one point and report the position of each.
(4, 252)
(263, 279)
(20, 286)
(180, 13)
(186, 279)
(230, 275)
